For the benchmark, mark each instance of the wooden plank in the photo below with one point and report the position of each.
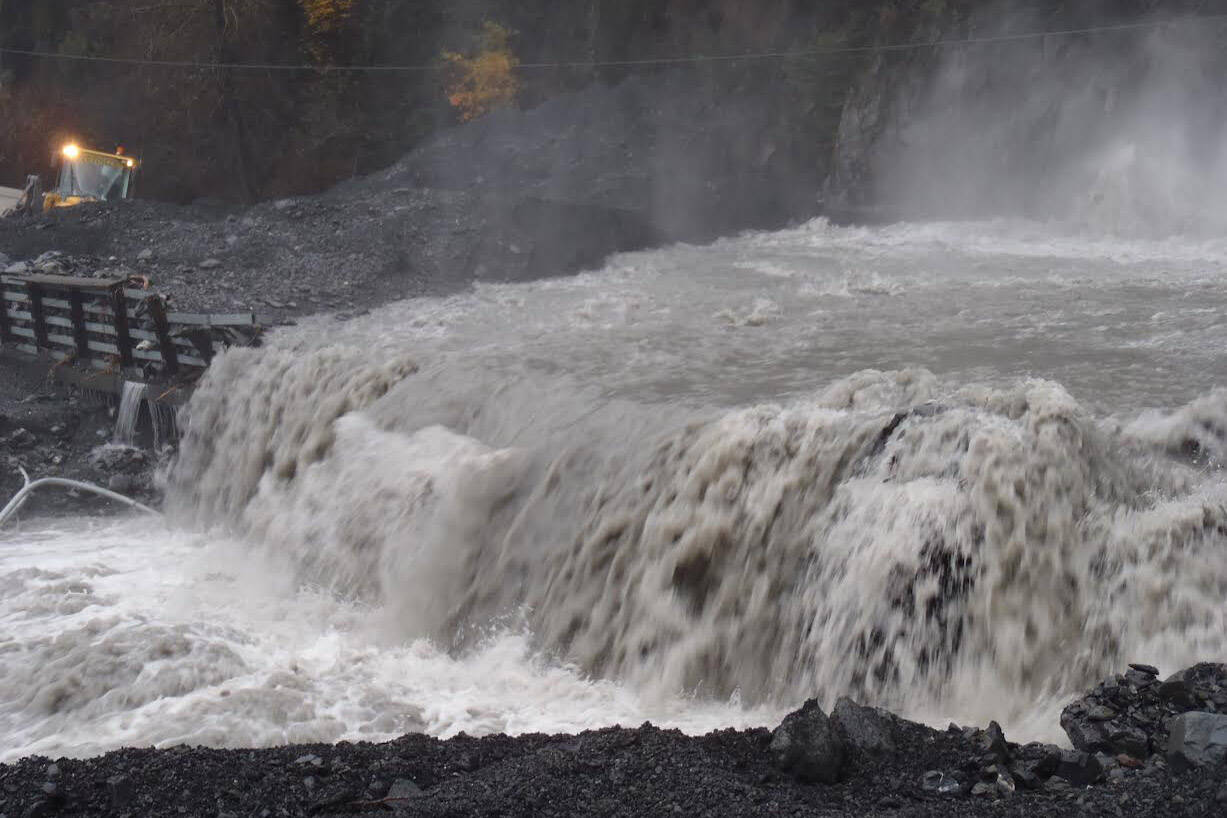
(155, 355)
(232, 319)
(143, 354)
(123, 336)
(36, 311)
(4, 320)
(79, 333)
(167, 347)
(24, 332)
(99, 309)
(67, 282)
(13, 295)
(62, 340)
(103, 346)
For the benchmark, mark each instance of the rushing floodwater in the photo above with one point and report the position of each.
(956, 469)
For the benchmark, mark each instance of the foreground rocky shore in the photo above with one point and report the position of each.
(1142, 746)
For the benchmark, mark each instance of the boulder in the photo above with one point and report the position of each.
(1197, 739)
(866, 728)
(991, 742)
(1078, 768)
(808, 746)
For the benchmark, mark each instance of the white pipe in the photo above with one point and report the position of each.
(20, 497)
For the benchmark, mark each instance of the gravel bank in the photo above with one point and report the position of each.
(616, 771)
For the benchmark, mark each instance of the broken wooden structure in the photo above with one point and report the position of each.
(102, 332)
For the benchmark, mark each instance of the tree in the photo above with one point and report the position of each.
(486, 80)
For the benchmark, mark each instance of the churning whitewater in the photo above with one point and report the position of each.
(960, 470)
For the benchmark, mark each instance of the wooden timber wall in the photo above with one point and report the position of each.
(107, 326)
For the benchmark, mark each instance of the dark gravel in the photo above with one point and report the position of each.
(642, 771)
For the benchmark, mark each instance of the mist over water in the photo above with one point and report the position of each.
(956, 468)
(1117, 132)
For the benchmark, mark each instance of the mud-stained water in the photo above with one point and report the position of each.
(956, 469)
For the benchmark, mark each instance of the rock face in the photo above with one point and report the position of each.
(868, 729)
(808, 746)
(1129, 713)
(1197, 740)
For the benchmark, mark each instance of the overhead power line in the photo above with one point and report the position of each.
(651, 61)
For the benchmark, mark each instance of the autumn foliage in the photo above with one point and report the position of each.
(326, 16)
(486, 80)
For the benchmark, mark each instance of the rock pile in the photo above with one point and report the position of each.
(1131, 714)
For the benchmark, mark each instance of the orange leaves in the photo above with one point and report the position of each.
(326, 16)
(487, 80)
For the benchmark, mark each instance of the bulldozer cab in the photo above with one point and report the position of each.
(90, 176)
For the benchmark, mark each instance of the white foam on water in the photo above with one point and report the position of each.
(126, 633)
(697, 487)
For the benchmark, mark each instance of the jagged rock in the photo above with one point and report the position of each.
(807, 746)
(1025, 776)
(991, 742)
(1197, 739)
(17, 268)
(1128, 714)
(145, 255)
(1079, 768)
(866, 728)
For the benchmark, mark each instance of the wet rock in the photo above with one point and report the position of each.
(21, 439)
(1128, 714)
(1078, 768)
(982, 789)
(209, 264)
(121, 483)
(866, 728)
(1139, 678)
(808, 746)
(1197, 739)
(1176, 693)
(991, 742)
(1025, 776)
(145, 255)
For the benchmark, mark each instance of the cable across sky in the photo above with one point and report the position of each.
(808, 53)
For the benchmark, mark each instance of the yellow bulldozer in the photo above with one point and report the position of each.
(85, 176)
(90, 176)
